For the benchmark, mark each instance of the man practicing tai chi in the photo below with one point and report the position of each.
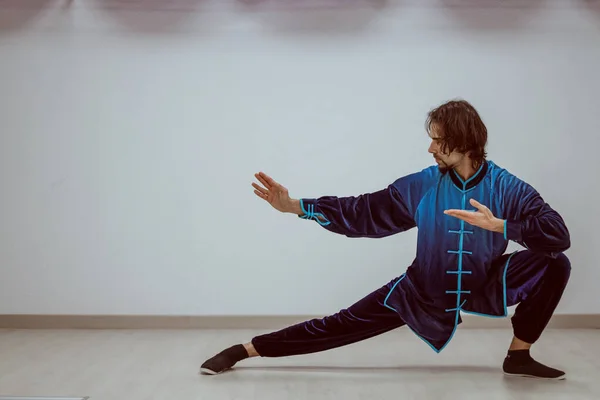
(466, 209)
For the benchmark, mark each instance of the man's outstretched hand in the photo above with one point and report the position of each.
(275, 194)
(482, 218)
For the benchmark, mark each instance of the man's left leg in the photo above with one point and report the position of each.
(536, 283)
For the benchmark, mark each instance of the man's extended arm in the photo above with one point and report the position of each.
(374, 215)
(379, 214)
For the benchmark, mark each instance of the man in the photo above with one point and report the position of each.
(466, 209)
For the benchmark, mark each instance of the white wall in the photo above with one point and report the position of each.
(130, 134)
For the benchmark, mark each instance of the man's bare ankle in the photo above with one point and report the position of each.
(518, 344)
(251, 350)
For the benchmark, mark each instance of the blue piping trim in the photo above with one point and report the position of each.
(471, 178)
(412, 330)
(390, 292)
(504, 295)
(445, 344)
(459, 251)
(459, 272)
(310, 214)
(505, 234)
(460, 232)
(456, 309)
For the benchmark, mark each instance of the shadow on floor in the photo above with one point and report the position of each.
(436, 369)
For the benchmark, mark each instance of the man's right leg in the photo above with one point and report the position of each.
(365, 319)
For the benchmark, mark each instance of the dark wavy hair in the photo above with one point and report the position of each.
(460, 128)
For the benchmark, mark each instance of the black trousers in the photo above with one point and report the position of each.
(534, 282)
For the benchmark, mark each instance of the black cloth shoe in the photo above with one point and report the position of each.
(520, 363)
(224, 360)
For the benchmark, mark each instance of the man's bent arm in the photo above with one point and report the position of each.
(532, 223)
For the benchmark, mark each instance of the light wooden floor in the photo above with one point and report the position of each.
(131, 365)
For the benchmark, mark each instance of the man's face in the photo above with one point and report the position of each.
(445, 160)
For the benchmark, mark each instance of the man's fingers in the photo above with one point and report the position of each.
(478, 205)
(483, 209)
(466, 216)
(260, 194)
(458, 213)
(266, 180)
(262, 180)
(260, 188)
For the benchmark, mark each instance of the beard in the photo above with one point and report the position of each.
(443, 167)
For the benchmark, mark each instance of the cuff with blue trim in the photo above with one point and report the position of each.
(308, 207)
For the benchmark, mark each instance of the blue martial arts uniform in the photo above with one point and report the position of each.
(458, 267)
